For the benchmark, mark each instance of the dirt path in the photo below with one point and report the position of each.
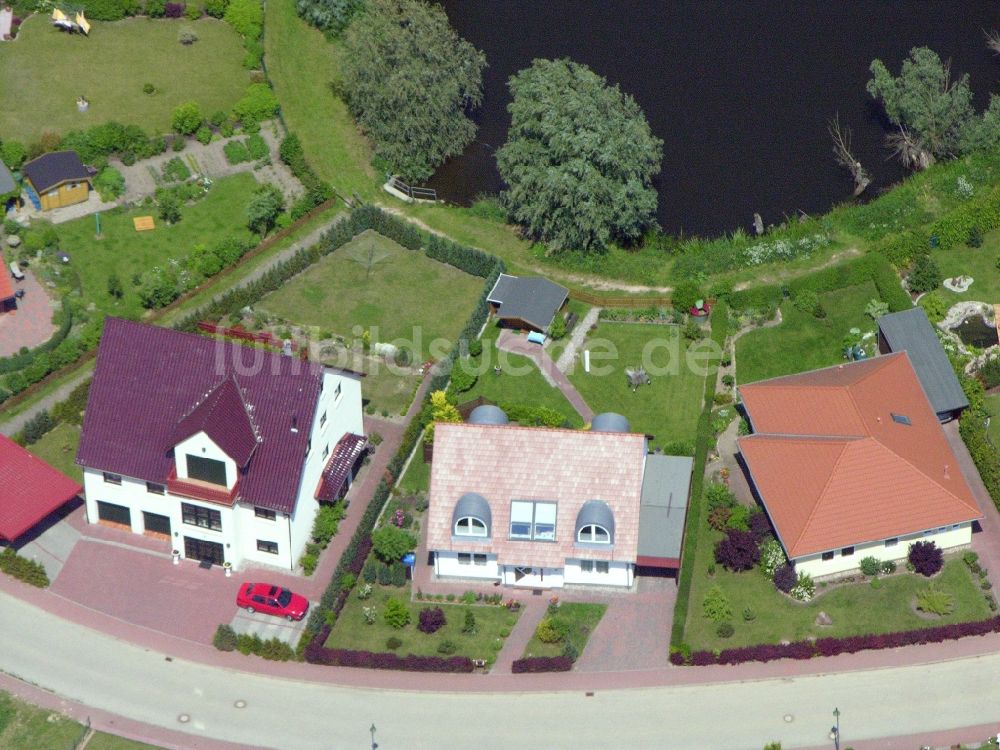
(851, 252)
(580, 332)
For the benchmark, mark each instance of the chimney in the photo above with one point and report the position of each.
(878, 419)
(286, 348)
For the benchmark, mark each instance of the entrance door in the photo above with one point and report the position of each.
(156, 524)
(116, 514)
(199, 549)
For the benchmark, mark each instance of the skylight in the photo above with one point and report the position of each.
(901, 419)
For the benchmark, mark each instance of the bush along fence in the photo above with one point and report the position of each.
(535, 664)
(972, 428)
(833, 646)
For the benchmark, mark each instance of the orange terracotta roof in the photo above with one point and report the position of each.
(6, 285)
(508, 462)
(833, 466)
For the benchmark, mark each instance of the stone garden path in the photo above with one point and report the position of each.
(580, 332)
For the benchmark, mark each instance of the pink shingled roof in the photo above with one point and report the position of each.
(30, 489)
(506, 462)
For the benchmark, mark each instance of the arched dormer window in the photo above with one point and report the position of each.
(594, 533)
(472, 517)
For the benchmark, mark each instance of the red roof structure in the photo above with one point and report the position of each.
(6, 285)
(30, 489)
(347, 451)
(851, 454)
(155, 386)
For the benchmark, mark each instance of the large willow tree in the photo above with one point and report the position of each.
(410, 81)
(579, 158)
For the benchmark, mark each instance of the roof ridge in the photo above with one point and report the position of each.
(838, 366)
(542, 428)
(819, 498)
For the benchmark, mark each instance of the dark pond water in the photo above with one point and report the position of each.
(976, 332)
(740, 92)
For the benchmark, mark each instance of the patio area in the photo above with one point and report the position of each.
(30, 324)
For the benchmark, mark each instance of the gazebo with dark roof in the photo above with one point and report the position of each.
(527, 302)
(30, 490)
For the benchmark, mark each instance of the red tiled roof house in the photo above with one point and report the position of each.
(851, 462)
(545, 507)
(225, 450)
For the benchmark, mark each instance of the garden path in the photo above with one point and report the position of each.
(565, 360)
(511, 342)
(532, 611)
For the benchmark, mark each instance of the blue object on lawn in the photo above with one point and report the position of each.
(409, 559)
(536, 338)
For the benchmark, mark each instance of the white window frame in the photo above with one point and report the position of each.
(591, 534)
(536, 515)
(479, 558)
(471, 529)
(112, 478)
(465, 558)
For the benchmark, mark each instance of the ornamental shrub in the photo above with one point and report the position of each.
(390, 543)
(552, 630)
(738, 551)
(888, 567)
(462, 375)
(715, 606)
(870, 566)
(257, 147)
(447, 647)
(717, 494)
(236, 152)
(246, 17)
(23, 569)
(718, 517)
(174, 10)
(392, 643)
(926, 558)
(725, 630)
(772, 557)
(785, 578)
(225, 638)
(432, 619)
(204, 135)
(804, 588)
(396, 613)
(469, 626)
(535, 664)
(760, 526)
(258, 103)
(925, 274)
(186, 118)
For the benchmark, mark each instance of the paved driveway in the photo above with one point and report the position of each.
(269, 626)
(31, 323)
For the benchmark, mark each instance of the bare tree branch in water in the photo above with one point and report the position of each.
(909, 149)
(845, 158)
(992, 40)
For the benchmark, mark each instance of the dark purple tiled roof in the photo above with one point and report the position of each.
(48, 170)
(349, 447)
(222, 415)
(148, 378)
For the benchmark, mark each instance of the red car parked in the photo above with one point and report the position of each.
(272, 600)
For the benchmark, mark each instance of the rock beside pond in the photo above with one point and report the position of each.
(13, 240)
(824, 620)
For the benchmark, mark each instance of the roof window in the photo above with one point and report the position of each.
(901, 419)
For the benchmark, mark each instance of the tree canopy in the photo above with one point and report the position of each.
(579, 158)
(410, 80)
(332, 16)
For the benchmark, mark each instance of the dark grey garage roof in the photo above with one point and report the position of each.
(595, 512)
(535, 299)
(474, 505)
(49, 170)
(610, 422)
(666, 483)
(6, 180)
(488, 414)
(911, 331)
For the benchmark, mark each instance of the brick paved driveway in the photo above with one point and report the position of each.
(31, 323)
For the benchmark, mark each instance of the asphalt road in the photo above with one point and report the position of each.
(108, 674)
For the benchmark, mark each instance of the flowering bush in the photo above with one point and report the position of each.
(370, 615)
(772, 557)
(398, 518)
(804, 588)
(768, 252)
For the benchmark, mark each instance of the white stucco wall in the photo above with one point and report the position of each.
(945, 538)
(619, 574)
(202, 445)
(548, 578)
(446, 564)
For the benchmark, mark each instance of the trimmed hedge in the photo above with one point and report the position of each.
(316, 653)
(535, 664)
(21, 361)
(833, 646)
(984, 455)
(23, 569)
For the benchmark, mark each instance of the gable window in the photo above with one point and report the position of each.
(270, 547)
(196, 515)
(337, 390)
(827, 555)
(470, 526)
(847, 551)
(326, 450)
(155, 489)
(266, 513)
(533, 520)
(110, 478)
(892, 542)
(322, 420)
(594, 533)
(206, 469)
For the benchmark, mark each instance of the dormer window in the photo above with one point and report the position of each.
(594, 534)
(470, 526)
(206, 469)
(531, 520)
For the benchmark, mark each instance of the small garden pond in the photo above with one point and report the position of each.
(975, 331)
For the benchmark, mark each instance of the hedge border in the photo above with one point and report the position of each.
(536, 664)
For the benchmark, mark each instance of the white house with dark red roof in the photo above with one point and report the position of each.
(542, 507)
(224, 450)
(851, 462)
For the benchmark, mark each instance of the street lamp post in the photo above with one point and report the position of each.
(374, 743)
(835, 729)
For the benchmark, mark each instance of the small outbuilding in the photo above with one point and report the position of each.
(30, 490)
(528, 303)
(56, 180)
(666, 492)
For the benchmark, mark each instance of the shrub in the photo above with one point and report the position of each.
(772, 557)
(186, 118)
(175, 170)
(447, 647)
(392, 643)
(246, 17)
(225, 638)
(725, 630)
(552, 630)
(469, 626)
(749, 615)
(257, 147)
(739, 518)
(870, 566)
(186, 36)
(970, 558)
(216, 8)
(258, 103)
(204, 135)
(365, 591)
(888, 567)
(391, 543)
(715, 606)
(760, 526)
(718, 517)
(804, 588)
(37, 426)
(174, 10)
(23, 569)
(534, 664)
(935, 601)
(432, 619)
(785, 578)
(737, 551)
(396, 614)
(316, 653)
(925, 275)
(326, 523)
(462, 376)
(926, 558)
(236, 152)
(13, 154)
(192, 12)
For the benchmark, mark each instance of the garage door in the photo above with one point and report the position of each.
(156, 524)
(114, 513)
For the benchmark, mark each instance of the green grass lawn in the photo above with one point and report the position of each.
(802, 342)
(418, 474)
(27, 727)
(351, 630)
(389, 393)
(978, 262)
(856, 609)
(993, 406)
(404, 291)
(667, 408)
(221, 213)
(582, 619)
(58, 448)
(47, 70)
(102, 741)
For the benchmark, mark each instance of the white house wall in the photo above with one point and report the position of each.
(250, 528)
(446, 564)
(946, 538)
(202, 445)
(619, 574)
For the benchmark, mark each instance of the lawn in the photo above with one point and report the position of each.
(27, 727)
(855, 609)
(993, 406)
(47, 70)
(399, 294)
(388, 393)
(669, 406)
(102, 741)
(125, 252)
(980, 263)
(417, 477)
(494, 623)
(58, 448)
(802, 342)
(581, 618)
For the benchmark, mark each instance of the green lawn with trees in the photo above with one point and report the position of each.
(575, 621)
(109, 67)
(57, 448)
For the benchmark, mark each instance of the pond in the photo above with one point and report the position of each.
(740, 92)
(975, 331)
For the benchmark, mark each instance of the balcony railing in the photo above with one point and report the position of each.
(196, 489)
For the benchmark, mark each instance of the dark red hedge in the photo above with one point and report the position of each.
(316, 653)
(542, 664)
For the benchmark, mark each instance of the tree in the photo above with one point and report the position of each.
(579, 158)
(13, 154)
(264, 207)
(737, 551)
(391, 543)
(686, 293)
(410, 80)
(186, 118)
(926, 558)
(715, 605)
(115, 286)
(931, 111)
(925, 275)
(332, 16)
(845, 155)
(170, 206)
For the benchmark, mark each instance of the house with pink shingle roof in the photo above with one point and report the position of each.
(543, 507)
(225, 451)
